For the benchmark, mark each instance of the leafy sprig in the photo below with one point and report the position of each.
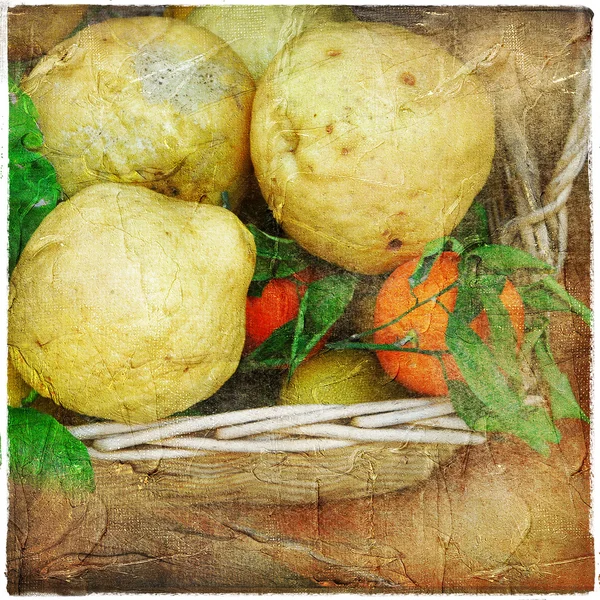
(33, 188)
(547, 295)
(276, 258)
(323, 303)
(42, 452)
(492, 396)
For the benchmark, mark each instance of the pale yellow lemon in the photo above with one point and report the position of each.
(368, 141)
(150, 101)
(129, 305)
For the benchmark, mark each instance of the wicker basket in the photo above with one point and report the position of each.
(292, 454)
(312, 453)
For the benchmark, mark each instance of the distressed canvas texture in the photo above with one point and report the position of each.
(497, 517)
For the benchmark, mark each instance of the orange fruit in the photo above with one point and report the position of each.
(278, 304)
(419, 372)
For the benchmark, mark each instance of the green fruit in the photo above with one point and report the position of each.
(340, 377)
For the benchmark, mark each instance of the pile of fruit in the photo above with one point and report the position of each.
(293, 213)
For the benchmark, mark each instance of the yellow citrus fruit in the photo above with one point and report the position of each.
(340, 377)
(151, 101)
(128, 305)
(368, 141)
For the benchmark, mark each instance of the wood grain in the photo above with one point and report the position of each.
(498, 517)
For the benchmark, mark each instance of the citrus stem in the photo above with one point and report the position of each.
(348, 344)
(357, 336)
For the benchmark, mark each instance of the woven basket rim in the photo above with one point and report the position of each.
(296, 428)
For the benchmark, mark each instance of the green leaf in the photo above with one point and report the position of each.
(473, 230)
(264, 269)
(503, 338)
(482, 292)
(323, 303)
(563, 403)
(257, 287)
(504, 408)
(471, 288)
(269, 268)
(395, 347)
(33, 187)
(468, 303)
(275, 351)
(30, 398)
(529, 423)
(43, 453)
(270, 246)
(430, 254)
(534, 328)
(505, 260)
(548, 295)
(276, 257)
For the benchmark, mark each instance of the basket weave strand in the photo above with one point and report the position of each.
(303, 428)
(557, 191)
